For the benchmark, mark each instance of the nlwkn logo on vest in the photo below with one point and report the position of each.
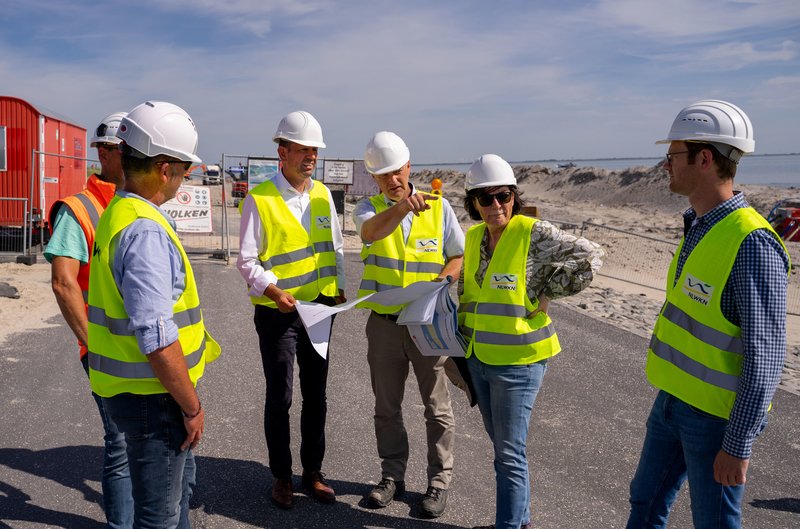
(427, 245)
(504, 281)
(697, 290)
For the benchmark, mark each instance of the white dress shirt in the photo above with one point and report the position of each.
(253, 238)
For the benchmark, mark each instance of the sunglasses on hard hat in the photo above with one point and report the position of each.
(486, 199)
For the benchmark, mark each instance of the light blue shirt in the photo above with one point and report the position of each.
(68, 239)
(453, 235)
(149, 273)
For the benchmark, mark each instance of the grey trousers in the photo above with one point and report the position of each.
(390, 350)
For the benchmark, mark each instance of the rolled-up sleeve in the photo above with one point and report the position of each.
(453, 234)
(759, 279)
(148, 271)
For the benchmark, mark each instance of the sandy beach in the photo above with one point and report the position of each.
(634, 201)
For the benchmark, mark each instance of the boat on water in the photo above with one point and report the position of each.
(567, 165)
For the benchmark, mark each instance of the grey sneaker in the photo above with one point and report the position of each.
(434, 502)
(384, 492)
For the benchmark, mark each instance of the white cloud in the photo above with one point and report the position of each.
(692, 20)
(455, 79)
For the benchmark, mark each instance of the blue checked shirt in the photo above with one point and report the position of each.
(754, 298)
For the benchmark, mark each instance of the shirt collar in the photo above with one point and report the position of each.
(127, 194)
(390, 202)
(737, 201)
(283, 184)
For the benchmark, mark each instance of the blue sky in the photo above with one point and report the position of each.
(526, 80)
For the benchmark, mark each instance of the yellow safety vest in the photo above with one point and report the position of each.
(695, 353)
(392, 262)
(493, 315)
(304, 263)
(116, 365)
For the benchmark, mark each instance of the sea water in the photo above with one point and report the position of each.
(780, 170)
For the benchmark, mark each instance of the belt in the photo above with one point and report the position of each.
(390, 317)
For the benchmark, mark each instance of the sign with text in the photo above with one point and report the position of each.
(338, 172)
(190, 209)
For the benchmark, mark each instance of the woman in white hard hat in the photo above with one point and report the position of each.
(504, 290)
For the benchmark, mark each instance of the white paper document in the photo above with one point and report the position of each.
(430, 315)
(433, 325)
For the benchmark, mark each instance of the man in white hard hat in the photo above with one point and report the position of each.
(408, 236)
(718, 345)
(290, 249)
(147, 342)
(73, 221)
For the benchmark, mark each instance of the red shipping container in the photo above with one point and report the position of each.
(56, 173)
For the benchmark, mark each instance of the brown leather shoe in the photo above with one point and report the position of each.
(282, 493)
(316, 485)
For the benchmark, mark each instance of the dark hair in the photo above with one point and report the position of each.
(474, 214)
(726, 167)
(133, 166)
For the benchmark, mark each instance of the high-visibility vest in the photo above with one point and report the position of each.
(493, 315)
(392, 262)
(304, 263)
(116, 365)
(87, 206)
(695, 353)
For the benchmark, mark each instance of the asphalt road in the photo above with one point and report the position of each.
(586, 433)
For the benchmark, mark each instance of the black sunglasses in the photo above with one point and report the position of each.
(486, 199)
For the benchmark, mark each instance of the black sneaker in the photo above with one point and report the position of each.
(384, 492)
(434, 502)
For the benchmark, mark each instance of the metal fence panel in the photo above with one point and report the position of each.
(644, 260)
(13, 231)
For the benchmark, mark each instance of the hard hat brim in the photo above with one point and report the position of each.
(317, 144)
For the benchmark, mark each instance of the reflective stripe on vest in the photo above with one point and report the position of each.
(393, 262)
(695, 353)
(303, 262)
(121, 326)
(116, 365)
(120, 369)
(494, 315)
(86, 206)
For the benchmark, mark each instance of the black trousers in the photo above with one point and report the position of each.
(282, 338)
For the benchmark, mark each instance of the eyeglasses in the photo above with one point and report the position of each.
(486, 199)
(668, 157)
(109, 146)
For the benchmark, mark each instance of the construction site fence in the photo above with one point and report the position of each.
(14, 234)
(644, 260)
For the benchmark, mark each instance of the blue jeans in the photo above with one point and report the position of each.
(505, 397)
(682, 442)
(116, 480)
(162, 476)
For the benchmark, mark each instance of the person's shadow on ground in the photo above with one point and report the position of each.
(230, 488)
(241, 490)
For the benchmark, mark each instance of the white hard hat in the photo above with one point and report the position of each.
(300, 127)
(106, 131)
(158, 127)
(386, 152)
(489, 171)
(720, 123)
